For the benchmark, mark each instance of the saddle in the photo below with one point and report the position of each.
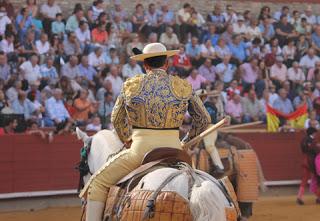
(163, 155)
(125, 203)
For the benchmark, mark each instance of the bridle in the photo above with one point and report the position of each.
(83, 166)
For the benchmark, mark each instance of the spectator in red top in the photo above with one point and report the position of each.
(69, 106)
(182, 62)
(270, 58)
(9, 126)
(99, 34)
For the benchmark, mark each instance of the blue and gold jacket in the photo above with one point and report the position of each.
(157, 100)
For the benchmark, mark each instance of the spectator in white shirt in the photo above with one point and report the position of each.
(240, 27)
(225, 70)
(289, 52)
(316, 91)
(230, 16)
(71, 69)
(31, 69)
(311, 19)
(207, 50)
(12, 92)
(296, 75)
(50, 9)
(4, 20)
(169, 39)
(309, 60)
(278, 71)
(253, 30)
(115, 80)
(42, 44)
(83, 34)
(312, 121)
(6, 45)
(95, 125)
(56, 111)
(96, 59)
(131, 69)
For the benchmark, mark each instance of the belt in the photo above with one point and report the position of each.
(145, 128)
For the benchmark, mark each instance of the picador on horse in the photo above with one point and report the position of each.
(146, 117)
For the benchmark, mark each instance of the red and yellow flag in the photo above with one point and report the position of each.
(296, 119)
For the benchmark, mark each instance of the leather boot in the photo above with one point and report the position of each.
(95, 210)
(217, 172)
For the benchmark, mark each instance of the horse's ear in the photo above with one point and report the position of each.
(81, 135)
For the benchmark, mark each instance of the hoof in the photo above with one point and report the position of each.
(300, 202)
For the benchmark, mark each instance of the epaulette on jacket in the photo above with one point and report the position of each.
(132, 86)
(181, 88)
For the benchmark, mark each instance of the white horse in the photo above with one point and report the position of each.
(207, 201)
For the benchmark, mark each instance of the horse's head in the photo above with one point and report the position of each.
(82, 136)
(83, 166)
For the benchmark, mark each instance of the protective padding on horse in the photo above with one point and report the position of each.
(169, 206)
(204, 163)
(232, 193)
(231, 214)
(224, 152)
(247, 179)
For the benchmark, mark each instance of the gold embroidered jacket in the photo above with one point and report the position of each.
(157, 101)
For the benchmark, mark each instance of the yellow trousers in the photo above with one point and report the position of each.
(126, 161)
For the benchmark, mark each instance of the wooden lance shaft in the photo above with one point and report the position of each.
(198, 138)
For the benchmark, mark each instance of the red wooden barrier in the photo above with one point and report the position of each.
(279, 153)
(28, 163)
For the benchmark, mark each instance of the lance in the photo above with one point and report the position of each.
(198, 138)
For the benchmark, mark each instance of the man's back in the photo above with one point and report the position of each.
(157, 101)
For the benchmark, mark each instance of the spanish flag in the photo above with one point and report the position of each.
(296, 119)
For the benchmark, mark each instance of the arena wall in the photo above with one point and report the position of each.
(203, 6)
(29, 164)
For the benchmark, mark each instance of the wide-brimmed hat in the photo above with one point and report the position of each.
(154, 50)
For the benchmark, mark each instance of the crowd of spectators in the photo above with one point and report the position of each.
(60, 70)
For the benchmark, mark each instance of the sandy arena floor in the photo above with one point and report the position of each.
(267, 209)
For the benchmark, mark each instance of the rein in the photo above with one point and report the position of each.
(83, 166)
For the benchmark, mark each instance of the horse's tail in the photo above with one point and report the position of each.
(206, 202)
